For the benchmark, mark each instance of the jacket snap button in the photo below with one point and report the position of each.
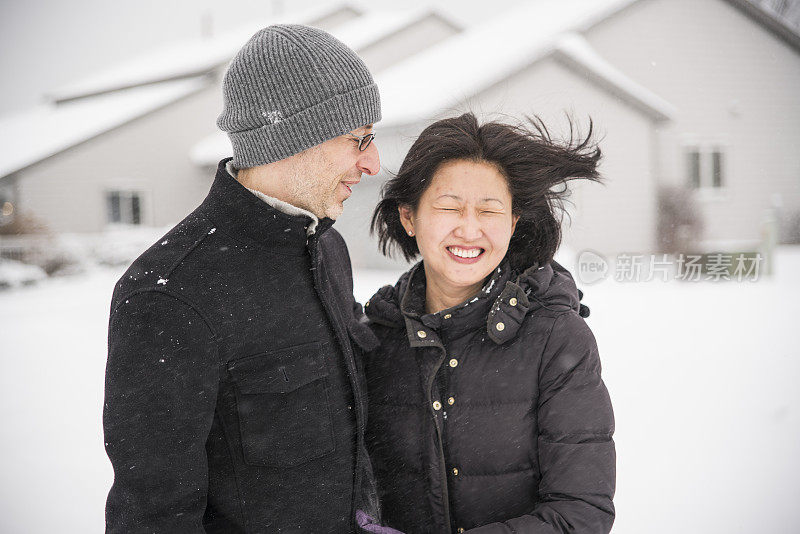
(437, 405)
(455, 471)
(367, 304)
(421, 334)
(460, 529)
(500, 326)
(512, 301)
(453, 362)
(447, 316)
(451, 401)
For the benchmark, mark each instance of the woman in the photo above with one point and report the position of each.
(487, 411)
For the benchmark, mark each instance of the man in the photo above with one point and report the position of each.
(233, 403)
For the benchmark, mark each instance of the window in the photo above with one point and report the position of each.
(705, 167)
(716, 168)
(124, 207)
(694, 168)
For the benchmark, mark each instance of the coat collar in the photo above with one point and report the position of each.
(239, 213)
(452, 322)
(500, 307)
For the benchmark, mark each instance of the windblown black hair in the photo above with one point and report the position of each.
(530, 160)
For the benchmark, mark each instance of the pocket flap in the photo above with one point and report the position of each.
(279, 371)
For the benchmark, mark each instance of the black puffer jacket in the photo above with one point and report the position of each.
(233, 404)
(491, 415)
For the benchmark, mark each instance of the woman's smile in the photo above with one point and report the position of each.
(463, 254)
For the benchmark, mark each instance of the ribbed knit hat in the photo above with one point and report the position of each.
(292, 87)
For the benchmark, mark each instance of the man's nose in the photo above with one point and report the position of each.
(369, 162)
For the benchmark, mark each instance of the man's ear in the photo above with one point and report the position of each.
(406, 218)
(514, 220)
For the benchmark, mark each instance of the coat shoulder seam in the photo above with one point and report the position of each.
(180, 298)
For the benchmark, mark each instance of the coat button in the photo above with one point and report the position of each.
(447, 316)
(455, 471)
(511, 301)
(437, 405)
(451, 401)
(367, 304)
(500, 326)
(453, 362)
(422, 334)
(460, 529)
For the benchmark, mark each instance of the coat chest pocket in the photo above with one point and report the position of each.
(283, 408)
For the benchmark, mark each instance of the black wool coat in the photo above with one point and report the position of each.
(232, 400)
(490, 417)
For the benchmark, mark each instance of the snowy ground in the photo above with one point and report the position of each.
(703, 377)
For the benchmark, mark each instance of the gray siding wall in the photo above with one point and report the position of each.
(410, 40)
(734, 84)
(149, 154)
(617, 217)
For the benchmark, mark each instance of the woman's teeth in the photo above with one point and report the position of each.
(465, 253)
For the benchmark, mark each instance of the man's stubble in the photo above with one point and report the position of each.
(314, 184)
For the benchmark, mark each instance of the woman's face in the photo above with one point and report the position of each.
(463, 224)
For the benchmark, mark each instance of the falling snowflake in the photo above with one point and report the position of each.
(273, 116)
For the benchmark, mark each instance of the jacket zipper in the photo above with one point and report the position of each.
(440, 437)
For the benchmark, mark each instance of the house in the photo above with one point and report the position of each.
(700, 93)
(138, 144)
(694, 93)
(531, 60)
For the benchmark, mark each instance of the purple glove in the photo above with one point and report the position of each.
(368, 524)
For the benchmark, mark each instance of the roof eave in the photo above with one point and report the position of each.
(775, 26)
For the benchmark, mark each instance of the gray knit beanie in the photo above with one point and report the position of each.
(292, 87)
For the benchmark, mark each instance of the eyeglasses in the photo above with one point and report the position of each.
(363, 140)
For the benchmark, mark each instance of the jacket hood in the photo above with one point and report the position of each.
(501, 305)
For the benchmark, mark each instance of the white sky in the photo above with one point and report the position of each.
(49, 43)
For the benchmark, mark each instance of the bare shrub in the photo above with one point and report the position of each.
(791, 229)
(23, 224)
(680, 224)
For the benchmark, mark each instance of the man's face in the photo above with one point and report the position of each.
(325, 174)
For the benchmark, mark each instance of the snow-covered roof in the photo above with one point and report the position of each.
(421, 87)
(30, 136)
(577, 50)
(375, 25)
(182, 59)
